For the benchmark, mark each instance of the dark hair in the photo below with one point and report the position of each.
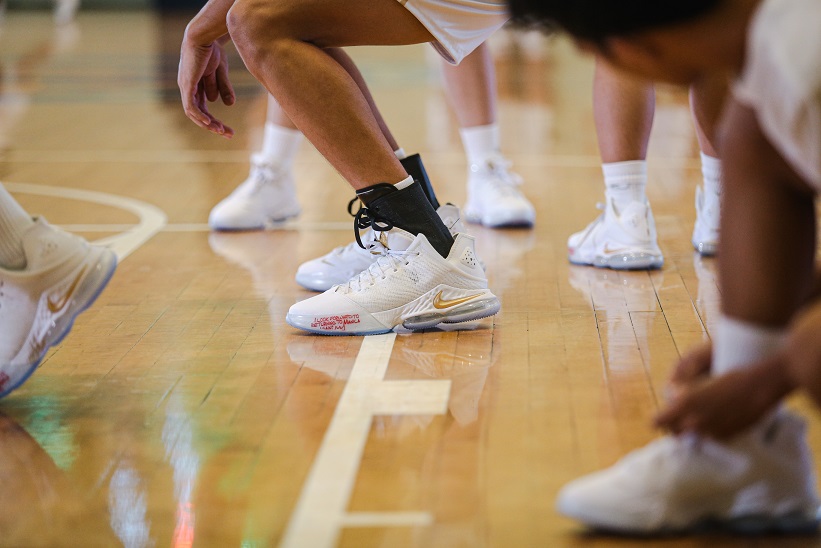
(596, 20)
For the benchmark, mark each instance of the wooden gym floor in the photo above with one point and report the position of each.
(183, 410)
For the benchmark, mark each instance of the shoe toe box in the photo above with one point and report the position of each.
(333, 313)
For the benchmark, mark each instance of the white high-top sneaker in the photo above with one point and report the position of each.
(344, 262)
(761, 482)
(410, 284)
(493, 196)
(708, 215)
(265, 198)
(622, 240)
(63, 276)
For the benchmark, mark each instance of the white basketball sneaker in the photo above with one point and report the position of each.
(761, 482)
(265, 198)
(344, 262)
(708, 215)
(622, 240)
(410, 285)
(494, 198)
(64, 274)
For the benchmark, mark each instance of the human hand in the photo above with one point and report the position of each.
(693, 367)
(721, 407)
(203, 77)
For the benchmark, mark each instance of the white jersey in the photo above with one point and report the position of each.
(781, 81)
(459, 26)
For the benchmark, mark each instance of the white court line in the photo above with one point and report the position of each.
(151, 218)
(320, 512)
(301, 226)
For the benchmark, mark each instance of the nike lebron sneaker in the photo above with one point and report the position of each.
(266, 198)
(410, 284)
(63, 276)
(620, 239)
(494, 196)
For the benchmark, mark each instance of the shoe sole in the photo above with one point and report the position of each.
(484, 308)
(506, 223)
(88, 291)
(797, 523)
(266, 225)
(706, 249)
(632, 261)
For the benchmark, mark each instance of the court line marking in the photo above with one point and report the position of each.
(300, 226)
(151, 218)
(320, 512)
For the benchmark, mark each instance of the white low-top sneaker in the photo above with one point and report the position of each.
(622, 240)
(63, 276)
(267, 197)
(761, 482)
(344, 262)
(494, 198)
(409, 284)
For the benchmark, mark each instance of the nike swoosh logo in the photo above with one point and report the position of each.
(608, 249)
(440, 303)
(56, 306)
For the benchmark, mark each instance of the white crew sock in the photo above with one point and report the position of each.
(711, 172)
(625, 182)
(481, 142)
(738, 343)
(400, 153)
(280, 144)
(14, 222)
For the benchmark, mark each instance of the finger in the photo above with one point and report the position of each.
(225, 88)
(693, 365)
(210, 86)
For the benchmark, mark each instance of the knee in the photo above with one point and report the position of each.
(256, 26)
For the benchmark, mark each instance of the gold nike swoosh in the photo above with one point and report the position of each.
(608, 249)
(440, 303)
(56, 306)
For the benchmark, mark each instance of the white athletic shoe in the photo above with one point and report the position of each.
(493, 196)
(761, 482)
(410, 285)
(622, 240)
(265, 198)
(708, 215)
(64, 274)
(343, 263)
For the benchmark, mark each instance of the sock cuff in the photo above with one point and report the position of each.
(404, 183)
(480, 142)
(737, 343)
(623, 174)
(280, 144)
(633, 168)
(400, 153)
(710, 169)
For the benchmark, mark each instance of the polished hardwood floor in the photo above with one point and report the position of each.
(183, 410)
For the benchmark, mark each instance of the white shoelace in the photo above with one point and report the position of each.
(388, 261)
(502, 180)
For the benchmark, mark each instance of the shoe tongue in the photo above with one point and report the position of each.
(396, 239)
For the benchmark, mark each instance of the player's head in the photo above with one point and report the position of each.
(634, 34)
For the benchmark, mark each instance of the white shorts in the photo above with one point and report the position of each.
(459, 26)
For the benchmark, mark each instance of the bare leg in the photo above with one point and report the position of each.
(706, 103)
(282, 45)
(471, 88)
(623, 109)
(767, 229)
